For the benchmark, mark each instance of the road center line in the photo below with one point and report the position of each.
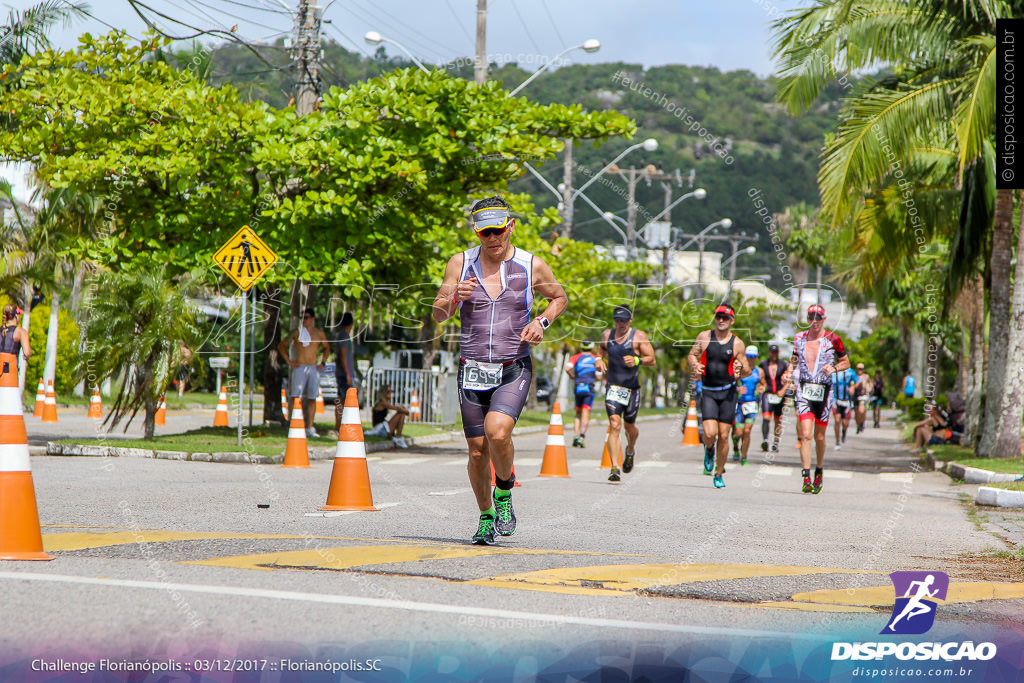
(404, 605)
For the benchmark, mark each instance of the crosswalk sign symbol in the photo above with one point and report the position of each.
(245, 258)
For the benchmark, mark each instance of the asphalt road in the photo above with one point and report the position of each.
(165, 558)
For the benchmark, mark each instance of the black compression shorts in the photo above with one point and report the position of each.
(509, 397)
(719, 405)
(628, 411)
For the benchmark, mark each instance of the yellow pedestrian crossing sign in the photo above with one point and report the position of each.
(245, 258)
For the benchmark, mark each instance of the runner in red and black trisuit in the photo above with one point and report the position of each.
(719, 358)
(623, 350)
(773, 396)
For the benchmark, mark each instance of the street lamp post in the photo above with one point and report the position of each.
(591, 46)
(374, 38)
(731, 262)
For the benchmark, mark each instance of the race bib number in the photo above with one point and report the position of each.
(477, 376)
(842, 403)
(617, 394)
(774, 399)
(813, 392)
(749, 407)
(583, 389)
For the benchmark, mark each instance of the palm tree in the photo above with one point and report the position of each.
(917, 132)
(25, 32)
(137, 325)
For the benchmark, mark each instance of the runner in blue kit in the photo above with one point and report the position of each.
(746, 408)
(718, 357)
(842, 403)
(492, 288)
(817, 355)
(623, 351)
(582, 369)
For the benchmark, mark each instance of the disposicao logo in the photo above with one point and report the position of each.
(916, 596)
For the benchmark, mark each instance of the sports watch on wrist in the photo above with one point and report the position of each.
(544, 322)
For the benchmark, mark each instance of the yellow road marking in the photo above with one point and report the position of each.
(82, 540)
(346, 557)
(804, 606)
(884, 596)
(622, 578)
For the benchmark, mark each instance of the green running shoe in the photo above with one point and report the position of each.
(614, 476)
(817, 484)
(627, 463)
(719, 484)
(577, 442)
(505, 523)
(709, 461)
(807, 485)
(485, 532)
(743, 461)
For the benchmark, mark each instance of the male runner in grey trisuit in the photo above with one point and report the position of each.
(492, 287)
(623, 351)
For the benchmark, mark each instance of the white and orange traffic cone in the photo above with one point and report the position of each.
(284, 402)
(350, 478)
(555, 463)
(160, 419)
(95, 405)
(20, 535)
(606, 458)
(414, 407)
(319, 403)
(50, 407)
(220, 418)
(691, 435)
(40, 399)
(494, 476)
(296, 452)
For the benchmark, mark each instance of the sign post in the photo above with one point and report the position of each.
(245, 258)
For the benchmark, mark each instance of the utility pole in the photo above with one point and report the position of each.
(632, 176)
(480, 67)
(667, 186)
(307, 57)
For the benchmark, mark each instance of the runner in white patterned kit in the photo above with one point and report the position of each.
(492, 287)
(817, 355)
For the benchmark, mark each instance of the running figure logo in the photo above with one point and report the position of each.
(916, 595)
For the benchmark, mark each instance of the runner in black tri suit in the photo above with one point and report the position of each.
(623, 351)
(13, 339)
(492, 287)
(719, 358)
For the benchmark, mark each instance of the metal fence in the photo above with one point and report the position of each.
(436, 392)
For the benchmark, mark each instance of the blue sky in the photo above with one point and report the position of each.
(728, 34)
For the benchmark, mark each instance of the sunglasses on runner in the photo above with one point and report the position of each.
(492, 232)
(815, 316)
(722, 316)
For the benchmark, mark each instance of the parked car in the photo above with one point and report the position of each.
(544, 390)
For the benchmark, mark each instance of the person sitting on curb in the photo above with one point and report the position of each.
(923, 430)
(383, 427)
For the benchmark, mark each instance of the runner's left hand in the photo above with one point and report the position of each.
(532, 333)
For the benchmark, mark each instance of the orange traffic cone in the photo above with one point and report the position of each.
(50, 407)
(350, 478)
(691, 435)
(494, 477)
(606, 459)
(160, 419)
(20, 536)
(296, 453)
(220, 418)
(284, 402)
(96, 405)
(40, 399)
(555, 463)
(320, 402)
(414, 407)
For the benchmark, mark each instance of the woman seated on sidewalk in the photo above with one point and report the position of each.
(923, 430)
(383, 427)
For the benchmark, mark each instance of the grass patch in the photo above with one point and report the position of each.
(1008, 485)
(1001, 465)
(951, 452)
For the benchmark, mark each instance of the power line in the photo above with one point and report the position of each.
(415, 30)
(233, 16)
(554, 24)
(458, 21)
(405, 39)
(273, 10)
(526, 28)
(359, 46)
(95, 18)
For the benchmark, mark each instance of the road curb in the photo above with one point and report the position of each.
(999, 497)
(975, 475)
